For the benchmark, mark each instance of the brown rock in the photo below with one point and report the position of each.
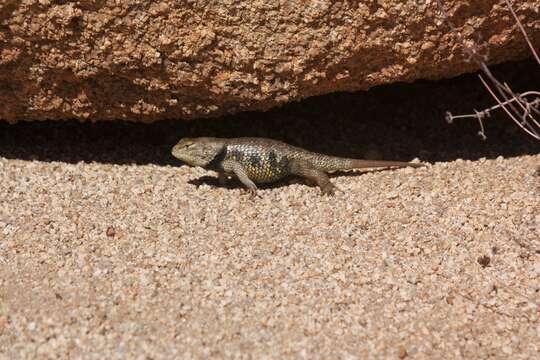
(484, 260)
(110, 231)
(402, 353)
(149, 60)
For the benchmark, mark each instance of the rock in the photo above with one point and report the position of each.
(147, 60)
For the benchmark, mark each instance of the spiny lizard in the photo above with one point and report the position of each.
(258, 160)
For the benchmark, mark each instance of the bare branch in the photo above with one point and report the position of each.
(517, 106)
(535, 54)
(500, 104)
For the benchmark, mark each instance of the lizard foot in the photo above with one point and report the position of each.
(331, 189)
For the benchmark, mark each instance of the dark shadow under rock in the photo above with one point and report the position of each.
(395, 122)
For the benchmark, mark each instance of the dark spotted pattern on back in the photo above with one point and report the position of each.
(255, 160)
(272, 159)
(261, 164)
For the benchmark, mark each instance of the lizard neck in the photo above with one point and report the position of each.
(216, 164)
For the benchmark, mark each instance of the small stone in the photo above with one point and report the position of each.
(111, 231)
(402, 353)
(427, 45)
(484, 260)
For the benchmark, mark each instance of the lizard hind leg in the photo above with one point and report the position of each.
(306, 170)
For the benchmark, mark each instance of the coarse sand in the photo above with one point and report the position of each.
(110, 249)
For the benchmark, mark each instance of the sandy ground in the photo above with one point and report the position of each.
(110, 249)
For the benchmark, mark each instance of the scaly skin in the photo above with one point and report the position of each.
(258, 160)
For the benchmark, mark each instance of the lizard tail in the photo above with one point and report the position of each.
(331, 163)
(360, 164)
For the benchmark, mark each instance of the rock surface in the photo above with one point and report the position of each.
(148, 60)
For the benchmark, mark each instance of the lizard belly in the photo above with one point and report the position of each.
(262, 173)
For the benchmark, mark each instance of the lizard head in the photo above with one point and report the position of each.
(197, 151)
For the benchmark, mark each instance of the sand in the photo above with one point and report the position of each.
(110, 249)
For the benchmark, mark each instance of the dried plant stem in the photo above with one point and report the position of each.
(535, 53)
(517, 106)
(522, 124)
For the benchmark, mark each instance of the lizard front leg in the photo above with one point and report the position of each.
(237, 168)
(306, 170)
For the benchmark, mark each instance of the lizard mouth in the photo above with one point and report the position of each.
(187, 159)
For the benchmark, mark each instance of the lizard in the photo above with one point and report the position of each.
(260, 160)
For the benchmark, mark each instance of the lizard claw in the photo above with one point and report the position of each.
(331, 189)
(252, 193)
(328, 190)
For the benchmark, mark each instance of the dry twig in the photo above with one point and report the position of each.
(523, 109)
